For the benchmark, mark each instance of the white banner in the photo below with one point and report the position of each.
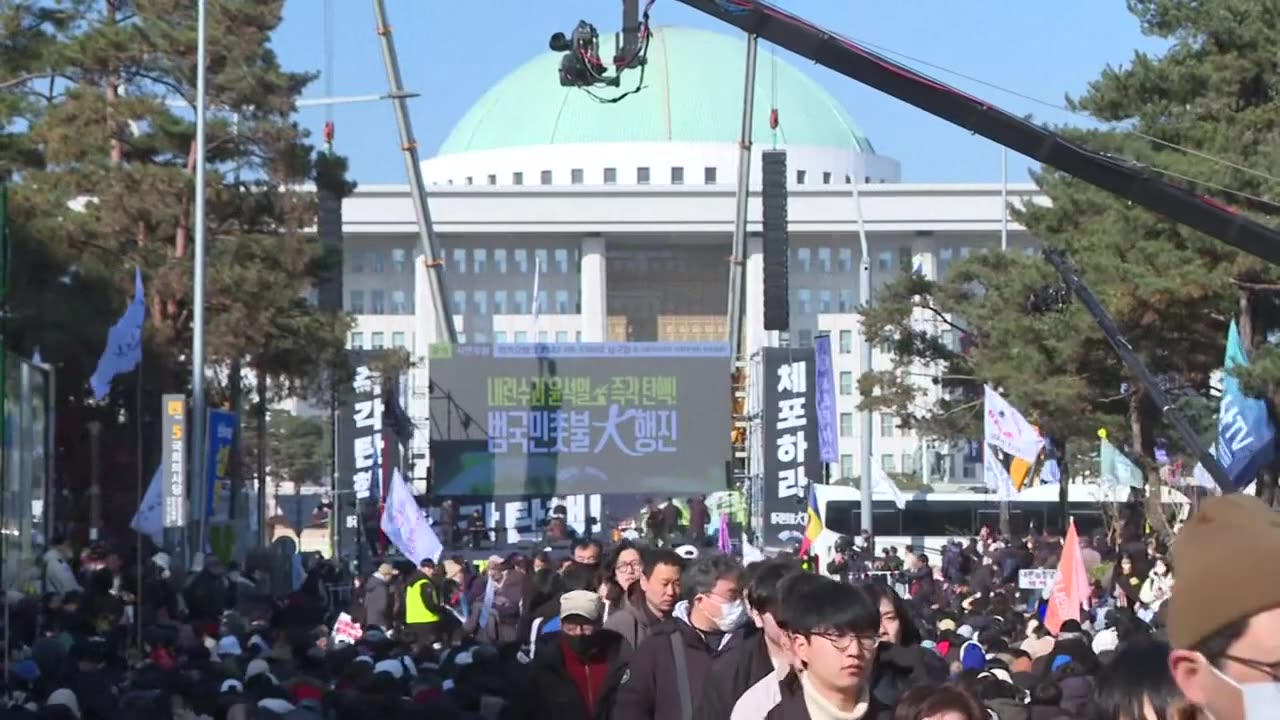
(1005, 428)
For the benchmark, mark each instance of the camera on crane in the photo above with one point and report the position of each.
(581, 66)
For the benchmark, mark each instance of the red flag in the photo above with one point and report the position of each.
(1070, 587)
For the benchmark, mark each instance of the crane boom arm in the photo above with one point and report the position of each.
(1123, 179)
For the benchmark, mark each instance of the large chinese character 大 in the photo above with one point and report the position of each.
(611, 429)
(792, 378)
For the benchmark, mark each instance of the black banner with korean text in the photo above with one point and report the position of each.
(367, 454)
(791, 456)
(536, 420)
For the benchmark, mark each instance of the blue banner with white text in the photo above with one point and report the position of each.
(1246, 434)
(825, 397)
(223, 425)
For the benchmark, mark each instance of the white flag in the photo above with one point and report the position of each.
(882, 486)
(124, 343)
(1005, 428)
(149, 518)
(405, 525)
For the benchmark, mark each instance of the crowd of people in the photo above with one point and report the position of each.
(630, 632)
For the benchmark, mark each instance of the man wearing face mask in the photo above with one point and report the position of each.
(1224, 615)
(670, 668)
(575, 672)
(763, 652)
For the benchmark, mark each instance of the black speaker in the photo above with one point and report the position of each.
(777, 246)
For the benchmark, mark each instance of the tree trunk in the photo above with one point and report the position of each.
(262, 456)
(1064, 483)
(1143, 416)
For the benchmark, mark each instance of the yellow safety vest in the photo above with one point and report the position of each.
(415, 611)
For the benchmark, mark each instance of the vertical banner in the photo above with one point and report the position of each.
(791, 459)
(367, 453)
(223, 425)
(825, 396)
(173, 428)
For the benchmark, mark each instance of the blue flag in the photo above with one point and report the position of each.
(1246, 435)
(124, 343)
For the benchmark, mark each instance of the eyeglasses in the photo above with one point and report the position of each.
(866, 643)
(1272, 669)
(634, 566)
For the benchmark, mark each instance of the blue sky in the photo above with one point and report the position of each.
(452, 51)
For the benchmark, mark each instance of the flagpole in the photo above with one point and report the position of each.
(196, 487)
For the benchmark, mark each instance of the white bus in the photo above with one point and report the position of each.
(930, 519)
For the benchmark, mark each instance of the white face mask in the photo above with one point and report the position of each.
(732, 615)
(1257, 700)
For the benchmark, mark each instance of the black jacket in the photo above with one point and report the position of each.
(733, 675)
(898, 669)
(548, 693)
(651, 690)
(787, 703)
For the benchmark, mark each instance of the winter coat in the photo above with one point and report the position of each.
(652, 690)
(549, 693)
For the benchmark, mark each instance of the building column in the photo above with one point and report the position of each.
(754, 335)
(594, 290)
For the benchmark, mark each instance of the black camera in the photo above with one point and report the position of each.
(581, 66)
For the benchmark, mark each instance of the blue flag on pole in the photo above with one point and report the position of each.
(1246, 435)
(124, 343)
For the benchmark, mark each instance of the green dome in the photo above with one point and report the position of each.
(692, 93)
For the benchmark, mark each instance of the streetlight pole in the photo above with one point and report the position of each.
(197, 465)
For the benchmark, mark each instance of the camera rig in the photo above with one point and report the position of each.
(582, 66)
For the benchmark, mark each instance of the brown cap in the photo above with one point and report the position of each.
(1218, 583)
(387, 569)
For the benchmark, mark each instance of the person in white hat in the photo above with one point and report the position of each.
(578, 668)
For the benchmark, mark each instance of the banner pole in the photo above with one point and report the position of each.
(137, 598)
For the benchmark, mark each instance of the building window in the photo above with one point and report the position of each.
(800, 177)
(459, 303)
(541, 301)
(500, 260)
(479, 258)
(378, 302)
(803, 257)
(376, 262)
(846, 424)
(884, 261)
(467, 180)
(642, 176)
(481, 338)
(824, 259)
(575, 176)
(546, 177)
(844, 259)
(677, 176)
(521, 258)
(459, 259)
(517, 178)
(848, 180)
(357, 341)
(804, 301)
(909, 463)
(847, 303)
(904, 260)
(500, 336)
(709, 176)
(846, 382)
(945, 257)
(399, 259)
(522, 336)
(480, 300)
(824, 301)
(355, 303)
(887, 462)
(846, 342)
(887, 423)
(561, 256)
(397, 340)
(377, 341)
(826, 178)
(356, 261)
(806, 338)
(491, 179)
(520, 302)
(562, 302)
(499, 302)
(542, 336)
(562, 336)
(611, 176)
(540, 260)
(399, 302)
(577, 336)
(846, 466)
(462, 338)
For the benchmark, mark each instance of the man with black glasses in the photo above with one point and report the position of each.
(834, 631)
